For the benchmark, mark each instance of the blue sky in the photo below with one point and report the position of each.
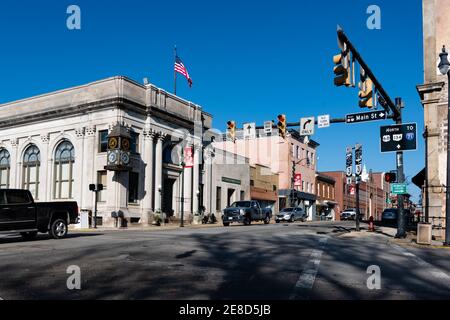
(249, 60)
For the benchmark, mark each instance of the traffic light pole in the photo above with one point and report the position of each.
(401, 229)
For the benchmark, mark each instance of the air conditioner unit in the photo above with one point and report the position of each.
(424, 233)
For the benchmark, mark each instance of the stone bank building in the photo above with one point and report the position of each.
(55, 145)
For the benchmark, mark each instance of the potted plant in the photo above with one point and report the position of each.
(157, 218)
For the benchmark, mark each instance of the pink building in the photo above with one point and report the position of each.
(285, 157)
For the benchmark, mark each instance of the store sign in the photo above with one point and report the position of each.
(231, 180)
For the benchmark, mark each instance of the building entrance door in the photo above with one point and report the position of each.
(230, 197)
(167, 201)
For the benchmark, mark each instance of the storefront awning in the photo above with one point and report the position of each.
(298, 194)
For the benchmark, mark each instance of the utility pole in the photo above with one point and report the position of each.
(357, 206)
(401, 230)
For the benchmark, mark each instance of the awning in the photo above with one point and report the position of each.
(419, 179)
(298, 194)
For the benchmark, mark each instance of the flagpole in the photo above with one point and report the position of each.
(175, 73)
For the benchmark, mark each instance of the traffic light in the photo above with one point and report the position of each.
(231, 130)
(390, 177)
(282, 125)
(342, 69)
(365, 91)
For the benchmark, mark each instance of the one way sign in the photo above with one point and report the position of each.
(365, 116)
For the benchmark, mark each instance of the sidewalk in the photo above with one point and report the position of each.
(390, 233)
(167, 226)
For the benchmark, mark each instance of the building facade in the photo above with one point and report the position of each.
(285, 157)
(264, 186)
(228, 176)
(55, 145)
(434, 98)
(326, 196)
(374, 194)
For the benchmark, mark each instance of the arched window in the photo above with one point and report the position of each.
(5, 165)
(63, 174)
(31, 165)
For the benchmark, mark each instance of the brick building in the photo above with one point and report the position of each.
(326, 196)
(373, 197)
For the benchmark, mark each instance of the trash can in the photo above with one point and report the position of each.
(424, 233)
(84, 219)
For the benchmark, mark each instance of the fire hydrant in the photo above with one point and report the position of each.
(371, 225)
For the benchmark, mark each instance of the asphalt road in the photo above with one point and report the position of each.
(277, 261)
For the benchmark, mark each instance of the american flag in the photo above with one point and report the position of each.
(180, 68)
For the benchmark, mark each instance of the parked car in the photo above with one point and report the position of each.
(20, 214)
(390, 216)
(291, 215)
(246, 212)
(348, 214)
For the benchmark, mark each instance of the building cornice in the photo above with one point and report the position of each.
(424, 89)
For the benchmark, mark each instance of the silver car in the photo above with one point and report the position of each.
(291, 215)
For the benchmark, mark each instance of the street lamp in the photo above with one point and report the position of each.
(183, 164)
(444, 68)
(294, 163)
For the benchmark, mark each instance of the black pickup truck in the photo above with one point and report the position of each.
(19, 213)
(246, 212)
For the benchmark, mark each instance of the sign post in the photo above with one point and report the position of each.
(358, 171)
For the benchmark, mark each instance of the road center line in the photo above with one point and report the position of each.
(435, 272)
(308, 276)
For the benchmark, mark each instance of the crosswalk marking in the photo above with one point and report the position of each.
(308, 276)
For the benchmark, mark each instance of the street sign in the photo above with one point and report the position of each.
(398, 188)
(250, 130)
(268, 127)
(348, 162)
(307, 126)
(323, 121)
(358, 161)
(401, 137)
(366, 116)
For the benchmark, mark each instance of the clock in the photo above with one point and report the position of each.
(112, 158)
(125, 158)
(125, 144)
(112, 143)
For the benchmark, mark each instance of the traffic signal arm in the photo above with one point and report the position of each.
(390, 106)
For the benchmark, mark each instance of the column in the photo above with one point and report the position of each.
(147, 157)
(45, 174)
(158, 170)
(195, 180)
(88, 154)
(14, 165)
